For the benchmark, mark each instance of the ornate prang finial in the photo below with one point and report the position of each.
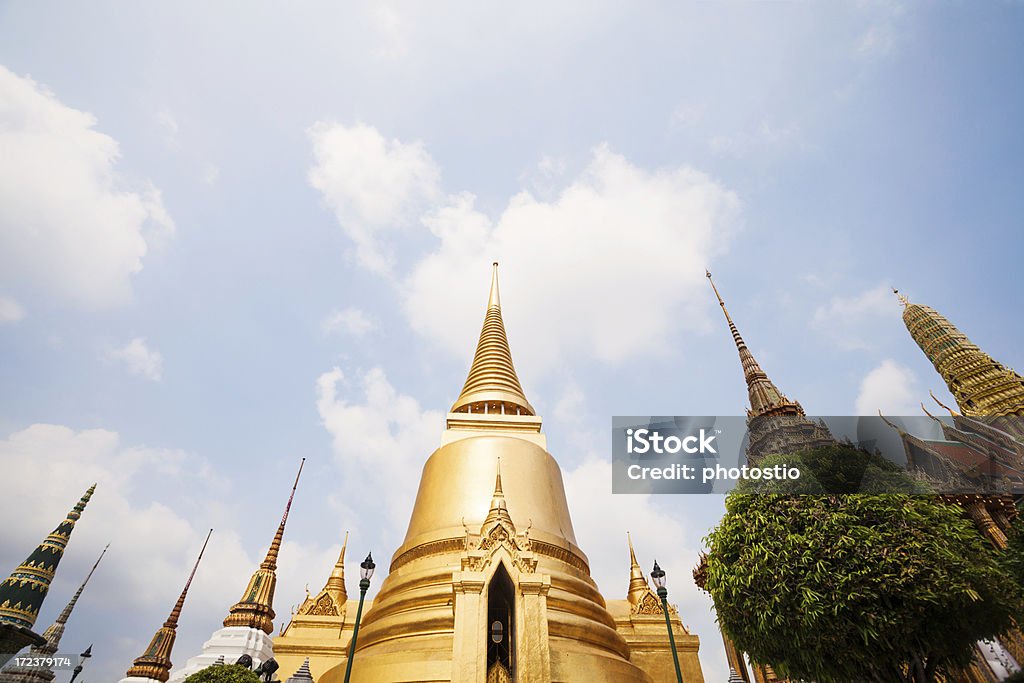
(903, 300)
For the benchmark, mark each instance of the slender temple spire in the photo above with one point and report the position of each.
(22, 593)
(155, 662)
(336, 581)
(56, 630)
(492, 385)
(765, 397)
(981, 385)
(499, 509)
(256, 608)
(638, 585)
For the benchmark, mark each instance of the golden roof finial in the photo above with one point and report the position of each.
(637, 581)
(492, 383)
(499, 510)
(903, 299)
(886, 421)
(336, 581)
(952, 412)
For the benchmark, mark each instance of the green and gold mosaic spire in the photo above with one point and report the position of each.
(981, 385)
(256, 608)
(22, 593)
(155, 662)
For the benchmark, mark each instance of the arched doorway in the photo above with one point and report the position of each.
(501, 627)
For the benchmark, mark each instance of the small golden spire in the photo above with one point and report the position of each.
(336, 581)
(492, 384)
(903, 300)
(499, 510)
(638, 585)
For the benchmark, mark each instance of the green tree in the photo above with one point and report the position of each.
(1014, 557)
(841, 588)
(231, 673)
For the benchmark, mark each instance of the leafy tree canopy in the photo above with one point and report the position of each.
(231, 673)
(840, 588)
(839, 468)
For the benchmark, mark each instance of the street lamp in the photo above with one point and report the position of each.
(81, 660)
(658, 575)
(366, 568)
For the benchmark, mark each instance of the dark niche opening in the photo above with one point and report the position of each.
(501, 626)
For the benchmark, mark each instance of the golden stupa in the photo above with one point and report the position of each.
(490, 584)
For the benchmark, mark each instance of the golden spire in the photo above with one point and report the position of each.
(499, 510)
(492, 384)
(336, 581)
(155, 662)
(256, 608)
(638, 585)
(765, 397)
(981, 385)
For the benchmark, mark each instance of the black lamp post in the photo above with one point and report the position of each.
(366, 568)
(81, 660)
(658, 574)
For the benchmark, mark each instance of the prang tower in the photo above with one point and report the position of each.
(982, 386)
(490, 584)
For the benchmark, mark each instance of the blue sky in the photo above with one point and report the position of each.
(234, 237)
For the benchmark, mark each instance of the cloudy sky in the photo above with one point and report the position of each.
(232, 237)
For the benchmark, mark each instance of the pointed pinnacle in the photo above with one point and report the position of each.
(275, 546)
(172, 619)
(66, 612)
(494, 300)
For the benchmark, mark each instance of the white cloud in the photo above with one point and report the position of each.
(166, 120)
(611, 268)
(855, 322)
(154, 507)
(883, 34)
(568, 409)
(68, 225)
(374, 185)
(378, 426)
(768, 137)
(53, 466)
(10, 310)
(891, 388)
(139, 359)
(351, 321)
